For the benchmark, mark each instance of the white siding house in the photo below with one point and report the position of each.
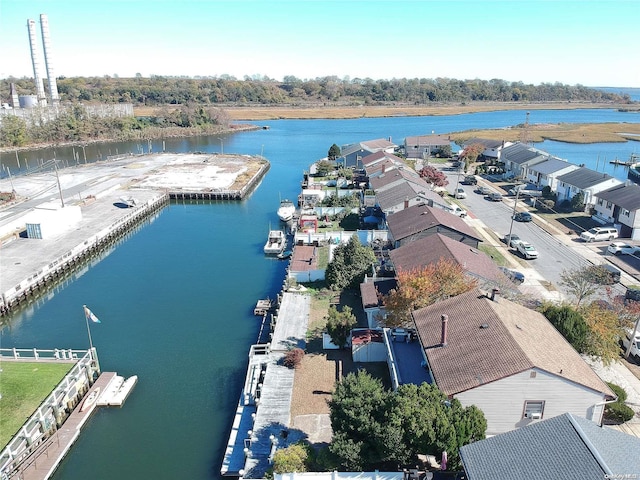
(508, 360)
(513, 402)
(584, 180)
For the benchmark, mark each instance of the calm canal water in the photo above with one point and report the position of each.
(175, 298)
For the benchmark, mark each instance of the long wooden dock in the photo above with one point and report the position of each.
(43, 461)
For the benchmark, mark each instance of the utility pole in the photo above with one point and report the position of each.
(55, 166)
(513, 216)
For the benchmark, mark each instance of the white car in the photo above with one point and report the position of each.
(527, 250)
(621, 248)
(597, 234)
(456, 210)
(460, 193)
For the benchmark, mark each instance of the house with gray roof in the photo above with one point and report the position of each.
(545, 174)
(423, 146)
(492, 148)
(584, 180)
(395, 177)
(420, 221)
(519, 156)
(620, 205)
(430, 250)
(563, 447)
(353, 154)
(508, 360)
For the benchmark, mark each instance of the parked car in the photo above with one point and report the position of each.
(522, 217)
(495, 197)
(598, 234)
(511, 240)
(483, 190)
(513, 275)
(621, 248)
(632, 294)
(527, 250)
(456, 210)
(469, 180)
(612, 274)
(635, 345)
(459, 193)
(514, 191)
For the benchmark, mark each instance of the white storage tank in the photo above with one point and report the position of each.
(49, 220)
(28, 101)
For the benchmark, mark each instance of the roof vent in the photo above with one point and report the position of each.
(484, 325)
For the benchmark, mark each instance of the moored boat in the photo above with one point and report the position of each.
(286, 210)
(90, 399)
(276, 242)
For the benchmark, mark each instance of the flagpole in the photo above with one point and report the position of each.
(86, 319)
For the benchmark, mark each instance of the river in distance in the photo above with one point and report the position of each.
(175, 298)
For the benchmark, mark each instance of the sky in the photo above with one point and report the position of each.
(586, 42)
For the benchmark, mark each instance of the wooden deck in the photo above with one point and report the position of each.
(269, 421)
(41, 464)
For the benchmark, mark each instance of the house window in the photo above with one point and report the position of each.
(600, 201)
(625, 212)
(608, 205)
(533, 409)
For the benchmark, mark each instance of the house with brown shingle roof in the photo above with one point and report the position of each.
(431, 249)
(420, 221)
(425, 145)
(508, 360)
(371, 291)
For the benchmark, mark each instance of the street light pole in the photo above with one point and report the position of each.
(513, 215)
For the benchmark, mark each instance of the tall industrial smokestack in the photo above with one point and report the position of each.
(46, 43)
(35, 60)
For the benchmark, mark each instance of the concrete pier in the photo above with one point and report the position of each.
(30, 266)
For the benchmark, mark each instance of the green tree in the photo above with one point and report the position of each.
(577, 202)
(605, 329)
(324, 167)
(363, 437)
(13, 131)
(339, 325)
(432, 423)
(377, 429)
(570, 323)
(583, 282)
(351, 262)
(295, 458)
(334, 153)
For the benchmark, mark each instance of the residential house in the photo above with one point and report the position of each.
(353, 154)
(424, 146)
(397, 198)
(620, 205)
(584, 180)
(545, 174)
(518, 157)
(508, 360)
(397, 176)
(492, 148)
(419, 221)
(428, 250)
(370, 291)
(562, 447)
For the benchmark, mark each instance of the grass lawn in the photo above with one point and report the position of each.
(24, 386)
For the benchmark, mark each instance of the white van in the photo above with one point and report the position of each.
(598, 234)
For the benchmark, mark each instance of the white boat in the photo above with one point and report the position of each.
(286, 210)
(90, 400)
(276, 242)
(129, 201)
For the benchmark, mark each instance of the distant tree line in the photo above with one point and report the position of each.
(75, 124)
(160, 90)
